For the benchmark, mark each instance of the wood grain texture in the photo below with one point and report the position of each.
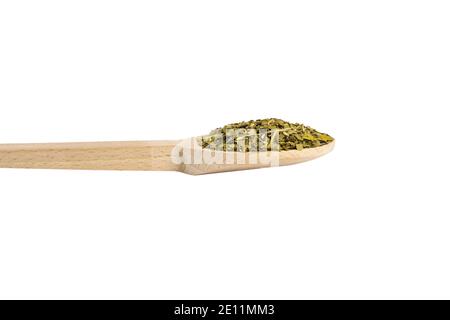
(140, 155)
(133, 155)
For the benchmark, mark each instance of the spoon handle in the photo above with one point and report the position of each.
(132, 155)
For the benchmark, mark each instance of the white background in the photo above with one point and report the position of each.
(370, 220)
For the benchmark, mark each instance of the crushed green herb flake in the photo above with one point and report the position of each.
(264, 134)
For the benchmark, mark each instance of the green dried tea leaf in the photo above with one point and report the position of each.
(264, 134)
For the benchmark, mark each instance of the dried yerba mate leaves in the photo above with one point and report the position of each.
(264, 134)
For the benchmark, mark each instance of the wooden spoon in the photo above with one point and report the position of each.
(144, 155)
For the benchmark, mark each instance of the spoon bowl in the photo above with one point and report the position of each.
(234, 161)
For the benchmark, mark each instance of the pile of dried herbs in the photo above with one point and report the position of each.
(264, 134)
